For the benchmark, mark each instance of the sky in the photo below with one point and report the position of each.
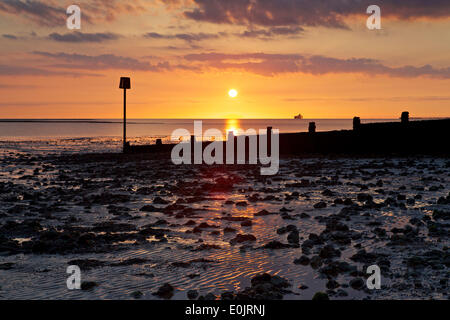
(283, 57)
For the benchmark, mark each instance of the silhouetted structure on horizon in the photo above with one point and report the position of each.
(405, 137)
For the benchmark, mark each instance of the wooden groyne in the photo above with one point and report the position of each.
(405, 137)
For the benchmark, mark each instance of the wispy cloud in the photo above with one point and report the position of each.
(52, 13)
(272, 32)
(46, 14)
(83, 37)
(265, 64)
(14, 70)
(188, 37)
(274, 64)
(10, 37)
(106, 62)
(362, 99)
(328, 13)
(255, 33)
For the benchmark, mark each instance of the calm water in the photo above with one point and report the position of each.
(154, 128)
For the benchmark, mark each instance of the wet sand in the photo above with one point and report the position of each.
(135, 223)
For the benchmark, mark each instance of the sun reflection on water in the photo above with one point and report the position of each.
(232, 125)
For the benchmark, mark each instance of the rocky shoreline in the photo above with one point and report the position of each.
(224, 232)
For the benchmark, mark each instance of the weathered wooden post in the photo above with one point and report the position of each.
(356, 123)
(405, 117)
(312, 127)
(125, 83)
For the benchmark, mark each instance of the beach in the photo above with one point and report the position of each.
(140, 227)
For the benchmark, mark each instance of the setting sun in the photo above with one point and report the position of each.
(233, 93)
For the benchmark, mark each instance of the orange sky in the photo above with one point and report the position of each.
(183, 60)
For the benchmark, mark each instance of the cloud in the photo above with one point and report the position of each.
(10, 37)
(188, 37)
(83, 37)
(107, 62)
(269, 33)
(99, 62)
(265, 64)
(327, 13)
(52, 13)
(265, 34)
(111, 10)
(11, 70)
(362, 99)
(39, 12)
(274, 64)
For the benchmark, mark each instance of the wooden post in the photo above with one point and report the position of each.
(405, 117)
(124, 119)
(312, 127)
(356, 123)
(125, 83)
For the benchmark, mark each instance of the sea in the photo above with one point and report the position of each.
(103, 135)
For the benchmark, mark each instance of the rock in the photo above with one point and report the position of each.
(334, 268)
(242, 238)
(320, 205)
(180, 264)
(192, 294)
(276, 245)
(87, 264)
(159, 200)
(210, 297)
(303, 260)
(303, 287)
(88, 285)
(293, 237)
(304, 215)
(364, 257)
(438, 214)
(320, 296)
(328, 252)
(264, 287)
(348, 202)
(165, 291)
(241, 204)
(341, 293)
(149, 208)
(259, 279)
(227, 296)
(279, 282)
(332, 284)
(136, 294)
(357, 283)
(6, 266)
(328, 193)
(246, 223)
(362, 197)
(229, 230)
(262, 213)
(316, 262)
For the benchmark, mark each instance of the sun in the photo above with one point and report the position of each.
(233, 93)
